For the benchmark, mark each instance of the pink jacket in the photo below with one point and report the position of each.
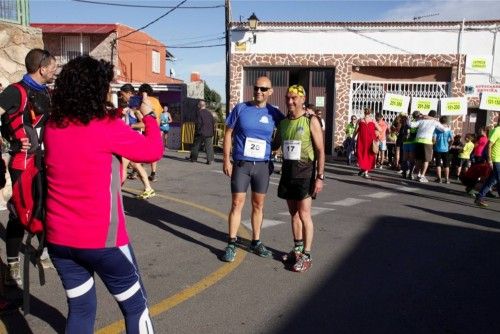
(84, 199)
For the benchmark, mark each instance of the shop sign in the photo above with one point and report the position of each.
(478, 64)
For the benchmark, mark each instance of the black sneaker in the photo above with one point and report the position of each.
(153, 177)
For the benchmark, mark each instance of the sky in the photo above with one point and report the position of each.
(205, 26)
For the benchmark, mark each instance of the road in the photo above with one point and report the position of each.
(389, 256)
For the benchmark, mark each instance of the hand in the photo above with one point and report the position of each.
(227, 168)
(318, 186)
(25, 144)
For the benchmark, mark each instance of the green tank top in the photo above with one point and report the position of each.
(295, 138)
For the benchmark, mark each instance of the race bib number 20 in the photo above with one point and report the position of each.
(254, 148)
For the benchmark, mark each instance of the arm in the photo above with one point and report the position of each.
(319, 153)
(134, 146)
(227, 167)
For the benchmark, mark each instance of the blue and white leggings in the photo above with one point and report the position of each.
(118, 270)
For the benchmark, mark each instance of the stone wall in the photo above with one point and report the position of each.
(343, 64)
(15, 42)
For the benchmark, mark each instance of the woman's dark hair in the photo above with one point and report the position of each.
(145, 88)
(81, 91)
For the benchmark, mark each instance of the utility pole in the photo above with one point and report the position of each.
(227, 6)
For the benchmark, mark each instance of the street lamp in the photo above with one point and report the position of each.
(253, 22)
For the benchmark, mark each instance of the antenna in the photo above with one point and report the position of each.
(415, 18)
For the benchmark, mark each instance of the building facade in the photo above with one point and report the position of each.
(348, 66)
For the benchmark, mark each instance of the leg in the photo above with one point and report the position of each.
(143, 175)
(304, 210)
(234, 218)
(195, 148)
(78, 282)
(209, 148)
(125, 163)
(257, 214)
(297, 228)
(118, 269)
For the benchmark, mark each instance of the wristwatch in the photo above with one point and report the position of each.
(320, 176)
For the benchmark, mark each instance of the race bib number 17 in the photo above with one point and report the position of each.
(291, 149)
(254, 148)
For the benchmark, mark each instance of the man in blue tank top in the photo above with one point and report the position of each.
(249, 131)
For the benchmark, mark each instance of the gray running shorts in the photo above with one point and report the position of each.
(254, 173)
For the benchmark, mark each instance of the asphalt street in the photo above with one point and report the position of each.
(389, 256)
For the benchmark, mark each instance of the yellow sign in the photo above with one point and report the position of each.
(396, 102)
(453, 106)
(423, 105)
(240, 47)
(479, 64)
(490, 101)
(493, 100)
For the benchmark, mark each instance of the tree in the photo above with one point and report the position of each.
(211, 97)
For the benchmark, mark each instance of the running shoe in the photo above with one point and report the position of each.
(366, 176)
(261, 250)
(438, 180)
(480, 202)
(132, 175)
(13, 275)
(423, 179)
(229, 253)
(153, 177)
(293, 255)
(303, 264)
(447, 181)
(45, 261)
(147, 194)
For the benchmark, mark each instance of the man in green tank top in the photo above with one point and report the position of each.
(302, 174)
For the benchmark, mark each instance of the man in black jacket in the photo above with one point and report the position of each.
(204, 132)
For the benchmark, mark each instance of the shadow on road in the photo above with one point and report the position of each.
(409, 276)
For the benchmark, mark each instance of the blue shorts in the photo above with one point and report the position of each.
(382, 145)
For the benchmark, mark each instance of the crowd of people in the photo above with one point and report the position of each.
(415, 142)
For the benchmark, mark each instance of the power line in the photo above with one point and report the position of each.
(154, 21)
(145, 6)
(196, 47)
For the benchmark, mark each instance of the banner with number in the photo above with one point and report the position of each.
(453, 106)
(423, 104)
(490, 101)
(396, 103)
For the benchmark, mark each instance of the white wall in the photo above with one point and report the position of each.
(337, 40)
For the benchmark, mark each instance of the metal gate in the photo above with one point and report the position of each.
(370, 94)
(74, 46)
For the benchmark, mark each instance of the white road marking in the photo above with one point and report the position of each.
(408, 189)
(380, 195)
(348, 201)
(265, 223)
(315, 210)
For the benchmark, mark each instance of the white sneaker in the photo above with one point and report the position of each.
(13, 275)
(423, 179)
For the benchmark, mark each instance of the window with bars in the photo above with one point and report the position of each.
(370, 94)
(15, 11)
(74, 46)
(155, 62)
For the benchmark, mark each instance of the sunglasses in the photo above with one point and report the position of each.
(262, 89)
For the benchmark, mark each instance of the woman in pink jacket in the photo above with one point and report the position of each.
(86, 232)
